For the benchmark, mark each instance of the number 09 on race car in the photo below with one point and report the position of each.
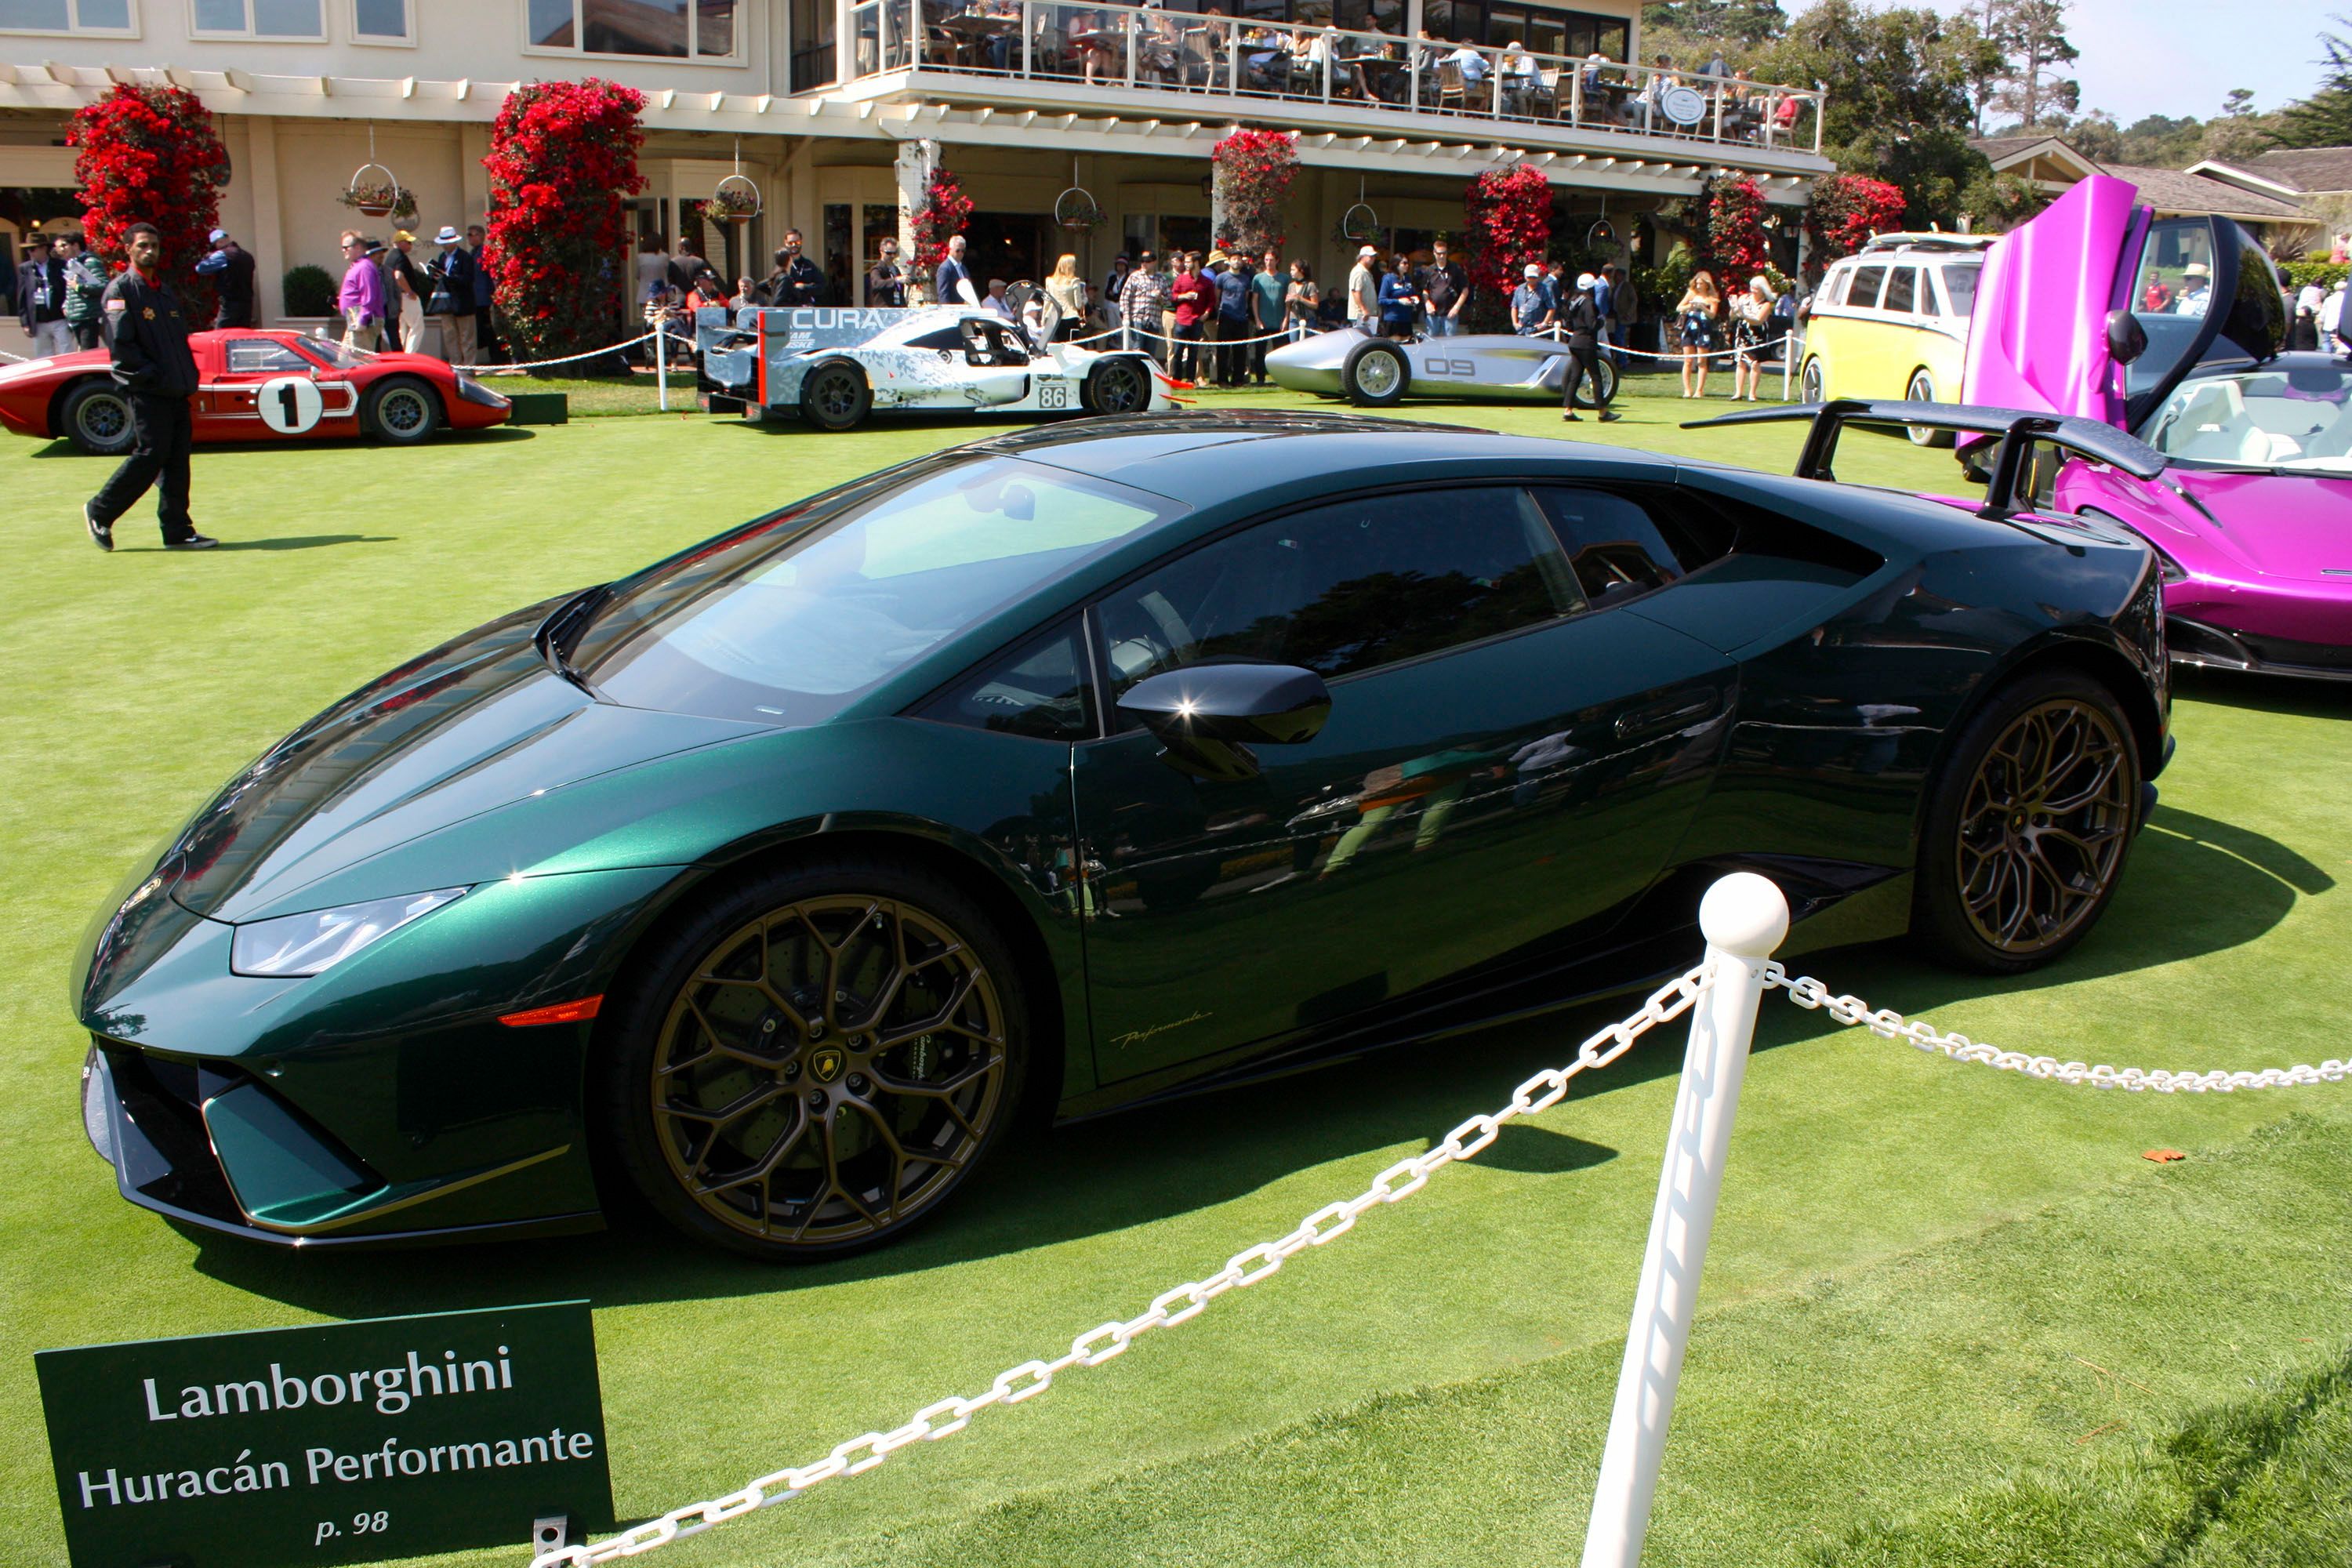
(835, 367)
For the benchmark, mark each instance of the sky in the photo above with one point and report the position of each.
(2178, 57)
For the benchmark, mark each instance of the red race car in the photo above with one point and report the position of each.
(256, 386)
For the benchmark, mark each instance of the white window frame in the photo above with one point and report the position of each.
(739, 60)
(74, 28)
(247, 34)
(377, 40)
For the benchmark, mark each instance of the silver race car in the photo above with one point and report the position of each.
(1379, 371)
(834, 366)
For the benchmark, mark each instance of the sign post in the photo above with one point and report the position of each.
(385, 1438)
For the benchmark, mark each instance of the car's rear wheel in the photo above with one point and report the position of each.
(1810, 382)
(1375, 374)
(836, 396)
(401, 410)
(2028, 830)
(1115, 386)
(1923, 390)
(96, 419)
(1604, 378)
(812, 1062)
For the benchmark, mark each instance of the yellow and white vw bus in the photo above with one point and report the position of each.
(1892, 321)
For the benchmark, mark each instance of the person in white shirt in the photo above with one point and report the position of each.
(1364, 291)
(1473, 64)
(2196, 290)
(996, 302)
(2331, 315)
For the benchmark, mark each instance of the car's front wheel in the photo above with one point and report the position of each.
(402, 410)
(811, 1063)
(1375, 374)
(1810, 382)
(1603, 381)
(1923, 390)
(2028, 825)
(96, 419)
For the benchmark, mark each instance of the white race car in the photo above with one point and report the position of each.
(834, 366)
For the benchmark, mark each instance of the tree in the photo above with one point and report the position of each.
(2324, 118)
(1253, 170)
(2238, 132)
(1507, 223)
(1898, 104)
(1847, 209)
(2095, 135)
(2031, 38)
(150, 154)
(563, 155)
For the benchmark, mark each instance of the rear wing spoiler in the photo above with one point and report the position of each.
(2018, 430)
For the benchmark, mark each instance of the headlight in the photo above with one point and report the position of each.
(473, 391)
(305, 944)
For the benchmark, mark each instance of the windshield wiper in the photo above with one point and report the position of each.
(554, 634)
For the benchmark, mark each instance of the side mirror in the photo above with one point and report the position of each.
(1209, 715)
(2126, 339)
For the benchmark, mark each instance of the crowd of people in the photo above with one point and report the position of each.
(388, 294)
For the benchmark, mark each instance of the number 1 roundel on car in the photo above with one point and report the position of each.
(289, 405)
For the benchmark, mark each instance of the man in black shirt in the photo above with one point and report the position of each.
(1442, 290)
(796, 280)
(885, 286)
(147, 334)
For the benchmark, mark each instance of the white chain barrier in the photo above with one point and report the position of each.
(1853, 1011)
(1245, 1268)
(1616, 1530)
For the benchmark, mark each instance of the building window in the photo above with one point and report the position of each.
(109, 17)
(813, 63)
(641, 29)
(300, 20)
(381, 22)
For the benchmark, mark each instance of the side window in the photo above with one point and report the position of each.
(1833, 287)
(1040, 689)
(256, 356)
(1622, 546)
(1863, 295)
(1901, 290)
(950, 338)
(1960, 287)
(1348, 586)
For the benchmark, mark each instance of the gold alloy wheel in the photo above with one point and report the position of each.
(828, 1070)
(2043, 827)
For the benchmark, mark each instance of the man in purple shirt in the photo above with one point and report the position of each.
(360, 299)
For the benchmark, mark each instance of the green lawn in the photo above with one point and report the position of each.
(1950, 1316)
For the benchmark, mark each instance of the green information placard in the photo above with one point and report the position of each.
(385, 1438)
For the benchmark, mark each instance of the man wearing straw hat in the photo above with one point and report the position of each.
(450, 275)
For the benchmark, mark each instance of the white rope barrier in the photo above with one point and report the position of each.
(567, 359)
(1554, 334)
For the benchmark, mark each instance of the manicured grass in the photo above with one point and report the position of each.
(1950, 1315)
(605, 396)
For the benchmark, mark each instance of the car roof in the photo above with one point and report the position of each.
(1164, 453)
(1914, 244)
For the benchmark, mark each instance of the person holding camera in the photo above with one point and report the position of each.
(449, 279)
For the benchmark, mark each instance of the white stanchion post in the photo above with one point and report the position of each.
(1744, 918)
(661, 363)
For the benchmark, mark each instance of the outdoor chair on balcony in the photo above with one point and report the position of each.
(1453, 91)
(1199, 66)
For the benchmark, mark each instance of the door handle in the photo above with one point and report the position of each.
(1670, 712)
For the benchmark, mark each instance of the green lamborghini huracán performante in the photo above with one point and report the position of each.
(1076, 767)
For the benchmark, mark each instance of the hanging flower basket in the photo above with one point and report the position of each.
(1077, 210)
(737, 200)
(375, 192)
(1359, 225)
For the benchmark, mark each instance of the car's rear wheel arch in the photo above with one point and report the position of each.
(2110, 668)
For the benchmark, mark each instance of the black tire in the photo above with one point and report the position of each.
(1604, 374)
(771, 1049)
(401, 410)
(1922, 389)
(1375, 374)
(836, 396)
(1810, 382)
(1118, 385)
(2005, 885)
(96, 417)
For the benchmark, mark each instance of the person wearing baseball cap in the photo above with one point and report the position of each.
(1530, 307)
(230, 267)
(1364, 292)
(1582, 319)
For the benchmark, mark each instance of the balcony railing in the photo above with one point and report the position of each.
(1148, 48)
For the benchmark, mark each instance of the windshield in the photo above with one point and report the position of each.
(2290, 419)
(789, 622)
(333, 354)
